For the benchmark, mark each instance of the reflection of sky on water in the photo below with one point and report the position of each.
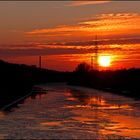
(72, 112)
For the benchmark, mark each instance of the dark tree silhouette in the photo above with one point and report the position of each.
(82, 68)
(124, 81)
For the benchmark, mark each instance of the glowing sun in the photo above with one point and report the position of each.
(104, 61)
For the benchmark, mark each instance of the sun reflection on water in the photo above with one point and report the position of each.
(2, 115)
(111, 116)
(51, 123)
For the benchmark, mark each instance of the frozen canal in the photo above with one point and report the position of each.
(68, 112)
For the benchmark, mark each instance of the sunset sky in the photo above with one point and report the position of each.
(63, 33)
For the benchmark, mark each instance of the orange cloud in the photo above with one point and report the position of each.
(111, 22)
(57, 29)
(105, 25)
(83, 3)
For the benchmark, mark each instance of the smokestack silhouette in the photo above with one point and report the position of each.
(39, 61)
(91, 62)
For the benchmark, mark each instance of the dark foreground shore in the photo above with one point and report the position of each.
(17, 80)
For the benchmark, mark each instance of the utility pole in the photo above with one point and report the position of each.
(91, 62)
(39, 61)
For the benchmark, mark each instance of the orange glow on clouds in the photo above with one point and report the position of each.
(104, 25)
(82, 3)
(121, 56)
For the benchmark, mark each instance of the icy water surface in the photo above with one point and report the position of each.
(68, 112)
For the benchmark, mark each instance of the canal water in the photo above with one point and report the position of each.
(70, 112)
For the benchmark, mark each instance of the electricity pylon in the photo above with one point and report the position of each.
(96, 55)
